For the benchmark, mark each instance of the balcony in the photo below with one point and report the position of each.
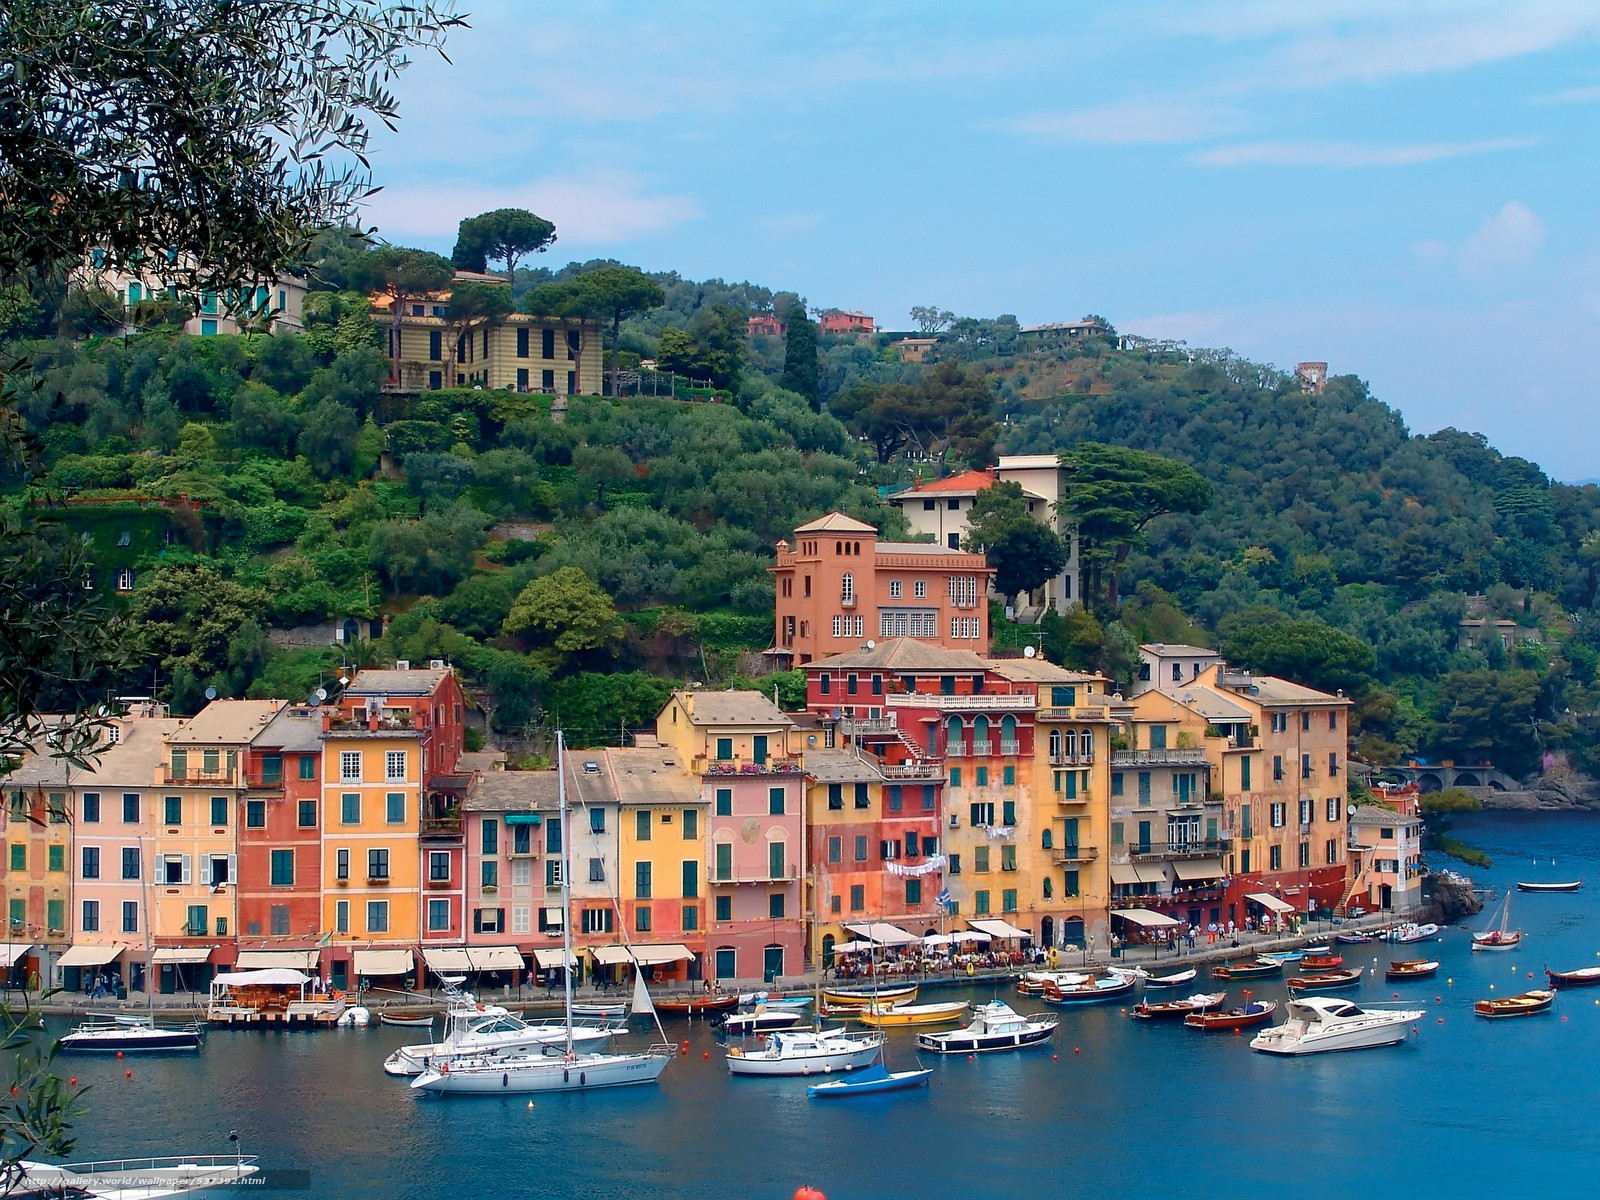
(955, 704)
(1079, 797)
(1197, 848)
(789, 876)
(930, 770)
(873, 725)
(705, 765)
(1010, 749)
(447, 824)
(1072, 760)
(199, 777)
(982, 749)
(1067, 855)
(957, 750)
(1184, 756)
(1074, 714)
(847, 602)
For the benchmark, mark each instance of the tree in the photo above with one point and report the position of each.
(480, 301)
(961, 407)
(1307, 652)
(399, 273)
(931, 319)
(1113, 492)
(566, 612)
(1489, 716)
(609, 292)
(1024, 553)
(711, 348)
(328, 438)
(505, 235)
(800, 371)
(190, 620)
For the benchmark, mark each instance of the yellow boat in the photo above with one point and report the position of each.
(863, 997)
(885, 1016)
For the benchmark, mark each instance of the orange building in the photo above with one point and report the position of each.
(837, 320)
(839, 586)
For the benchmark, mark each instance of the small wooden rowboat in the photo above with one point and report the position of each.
(407, 1022)
(1321, 962)
(1259, 969)
(1582, 977)
(1571, 886)
(861, 997)
(691, 1005)
(887, 1016)
(1257, 1012)
(1526, 1005)
(1177, 979)
(1411, 968)
(1326, 981)
(1198, 1003)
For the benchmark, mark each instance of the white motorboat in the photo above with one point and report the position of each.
(136, 1178)
(475, 1031)
(1412, 932)
(130, 1035)
(1135, 973)
(762, 1020)
(1319, 1024)
(994, 1026)
(1177, 979)
(807, 1053)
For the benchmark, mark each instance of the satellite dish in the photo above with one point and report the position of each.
(871, 644)
(1350, 810)
(311, 700)
(344, 681)
(211, 693)
(1029, 652)
(320, 694)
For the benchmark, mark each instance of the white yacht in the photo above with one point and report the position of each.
(474, 1031)
(1318, 1024)
(994, 1026)
(807, 1053)
(547, 1069)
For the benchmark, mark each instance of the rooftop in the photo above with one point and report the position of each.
(226, 723)
(903, 654)
(836, 522)
(1373, 814)
(842, 766)
(932, 548)
(1213, 706)
(131, 761)
(733, 708)
(295, 727)
(522, 791)
(1039, 670)
(1163, 650)
(1027, 462)
(968, 483)
(416, 682)
(1270, 690)
(651, 775)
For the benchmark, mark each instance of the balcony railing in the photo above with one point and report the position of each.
(875, 725)
(446, 824)
(982, 749)
(914, 770)
(706, 765)
(1198, 848)
(789, 876)
(1074, 714)
(1009, 749)
(997, 703)
(221, 777)
(957, 750)
(1183, 756)
(847, 601)
(1074, 854)
(1072, 760)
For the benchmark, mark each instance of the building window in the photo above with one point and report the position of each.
(438, 916)
(489, 874)
(172, 810)
(1244, 772)
(350, 766)
(1275, 858)
(896, 797)
(439, 866)
(306, 814)
(341, 864)
(858, 897)
(350, 808)
(919, 590)
(1333, 762)
(91, 807)
(394, 766)
(835, 849)
(1116, 782)
(1333, 808)
(341, 916)
(271, 770)
(130, 916)
(1277, 767)
(219, 810)
(552, 837)
(861, 847)
(641, 825)
(895, 589)
(847, 588)
(283, 868)
(775, 860)
(1305, 766)
(130, 808)
(641, 919)
(91, 862)
(775, 906)
(980, 903)
(1330, 851)
(836, 796)
(1008, 858)
(308, 766)
(1305, 854)
(775, 802)
(377, 863)
(597, 819)
(130, 862)
(1070, 889)
(491, 836)
(377, 916)
(641, 881)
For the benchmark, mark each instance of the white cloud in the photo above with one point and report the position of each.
(601, 208)
(1511, 238)
(1348, 154)
(1145, 121)
(1572, 95)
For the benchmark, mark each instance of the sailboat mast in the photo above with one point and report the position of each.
(149, 951)
(566, 884)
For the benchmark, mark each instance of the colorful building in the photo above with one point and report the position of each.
(661, 896)
(736, 744)
(1386, 859)
(839, 587)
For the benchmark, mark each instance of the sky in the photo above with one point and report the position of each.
(1403, 190)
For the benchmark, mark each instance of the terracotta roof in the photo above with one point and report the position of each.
(967, 481)
(1372, 814)
(836, 522)
(904, 654)
(932, 549)
(733, 708)
(227, 722)
(1163, 650)
(414, 682)
(1039, 670)
(651, 775)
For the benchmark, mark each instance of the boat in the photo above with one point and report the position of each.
(1412, 932)
(1262, 968)
(1322, 1024)
(1135, 973)
(805, 1052)
(559, 1067)
(1526, 1005)
(994, 1026)
(134, 1178)
(888, 1016)
(1032, 983)
(763, 1020)
(754, 998)
(130, 1035)
(405, 1022)
(1177, 979)
(688, 1004)
(1257, 1012)
(1582, 977)
(1500, 938)
(1326, 981)
(1321, 962)
(1319, 948)
(611, 1011)
(876, 1078)
(861, 997)
(1093, 991)
(1356, 938)
(1282, 957)
(474, 1030)
(1411, 968)
(1199, 1002)
(1571, 886)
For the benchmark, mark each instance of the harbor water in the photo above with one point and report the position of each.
(1114, 1108)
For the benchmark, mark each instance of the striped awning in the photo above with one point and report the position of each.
(450, 960)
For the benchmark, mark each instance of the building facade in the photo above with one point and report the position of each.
(280, 833)
(661, 894)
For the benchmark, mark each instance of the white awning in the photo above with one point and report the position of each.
(644, 956)
(1126, 874)
(289, 960)
(554, 918)
(383, 962)
(999, 929)
(276, 977)
(884, 935)
(955, 939)
(182, 954)
(1199, 868)
(89, 956)
(1267, 900)
(13, 952)
(552, 958)
(1140, 916)
(853, 947)
(451, 960)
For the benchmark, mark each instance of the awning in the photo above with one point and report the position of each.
(1150, 920)
(451, 960)
(12, 953)
(524, 818)
(288, 960)
(999, 929)
(182, 954)
(1199, 868)
(884, 935)
(644, 956)
(1267, 900)
(276, 977)
(853, 947)
(553, 918)
(1126, 874)
(955, 939)
(383, 962)
(548, 959)
(89, 956)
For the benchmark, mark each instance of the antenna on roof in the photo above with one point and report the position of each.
(320, 694)
(871, 645)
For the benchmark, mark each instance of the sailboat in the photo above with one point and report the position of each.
(554, 1068)
(1501, 938)
(130, 1033)
(876, 1076)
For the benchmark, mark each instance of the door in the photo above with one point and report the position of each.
(772, 964)
(1144, 837)
(1070, 837)
(726, 963)
(827, 951)
(1047, 931)
(1072, 931)
(758, 748)
(1385, 895)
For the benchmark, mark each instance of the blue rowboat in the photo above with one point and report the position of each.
(876, 1078)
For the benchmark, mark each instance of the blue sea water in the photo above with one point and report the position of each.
(1129, 1109)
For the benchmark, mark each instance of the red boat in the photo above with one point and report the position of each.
(695, 1004)
(1582, 977)
(1258, 1012)
(1322, 962)
(1198, 1003)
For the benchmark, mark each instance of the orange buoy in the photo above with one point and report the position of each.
(972, 1058)
(808, 1193)
(1055, 1058)
(128, 1074)
(1441, 1020)
(705, 1054)
(119, 1053)
(685, 1050)
(1075, 1050)
(73, 1081)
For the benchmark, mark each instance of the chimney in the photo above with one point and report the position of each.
(327, 720)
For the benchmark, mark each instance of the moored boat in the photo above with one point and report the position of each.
(135, 1178)
(807, 1053)
(1257, 1012)
(610, 1010)
(876, 1078)
(1526, 1005)
(475, 1031)
(1282, 957)
(994, 1026)
(405, 1022)
(1093, 991)
(1261, 968)
(1500, 938)
(1354, 938)
(762, 1021)
(1326, 981)
(1412, 932)
(1199, 1002)
(1321, 962)
(1033, 983)
(1320, 1024)
(1570, 886)
(542, 1069)
(130, 1035)
(888, 1016)
(861, 997)
(1582, 977)
(1177, 979)
(690, 1004)
(1411, 968)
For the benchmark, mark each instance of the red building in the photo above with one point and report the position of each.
(765, 324)
(840, 321)
(280, 837)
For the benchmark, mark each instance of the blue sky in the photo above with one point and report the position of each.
(1404, 190)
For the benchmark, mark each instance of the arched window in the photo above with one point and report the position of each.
(954, 735)
(1008, 735)
(1086, 743)
(827, 950)
(847, 588)
(980, 736)
(1055, 743)
(1071, 747)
